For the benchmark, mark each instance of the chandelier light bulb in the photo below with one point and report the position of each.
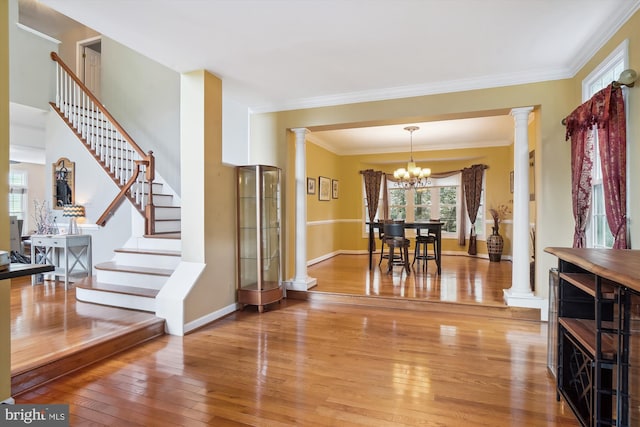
(413, 175)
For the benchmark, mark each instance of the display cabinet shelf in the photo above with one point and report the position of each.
(259, 242)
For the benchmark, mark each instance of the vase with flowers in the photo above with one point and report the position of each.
(45, 221)
(495, 242)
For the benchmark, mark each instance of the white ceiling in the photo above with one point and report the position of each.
(276, 55)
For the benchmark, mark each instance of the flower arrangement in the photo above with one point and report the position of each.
(498, 214)
(45, 221)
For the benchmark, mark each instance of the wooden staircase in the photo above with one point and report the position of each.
(138, 271)
(131, 169)
(135, 276)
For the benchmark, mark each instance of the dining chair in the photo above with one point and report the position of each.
(394, 237)
(421, 252)
(384, 255)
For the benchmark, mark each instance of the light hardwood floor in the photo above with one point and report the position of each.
(48, 322)
(318, 364)
(465, 280)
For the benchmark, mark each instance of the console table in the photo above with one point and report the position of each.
(69, 253)
(598, 337)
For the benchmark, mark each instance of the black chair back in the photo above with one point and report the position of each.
(394, 230)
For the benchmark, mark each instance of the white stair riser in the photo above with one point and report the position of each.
(147, 260)
(134, 302)
(167, 226)
(162, 200)
(131, 279)
(167, 213)
(158, 243)
(157, 187)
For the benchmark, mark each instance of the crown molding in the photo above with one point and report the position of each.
(600, 39)
(461, 85)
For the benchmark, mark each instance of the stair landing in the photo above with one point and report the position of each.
(71, 335)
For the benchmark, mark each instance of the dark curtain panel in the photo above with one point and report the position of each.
(606, 110)
(612, 142)
(472, 184)
(372, 181)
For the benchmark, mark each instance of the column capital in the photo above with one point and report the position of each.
(521, 112)
(300, 131)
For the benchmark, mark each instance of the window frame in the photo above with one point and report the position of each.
(19, 187)
(618, 58)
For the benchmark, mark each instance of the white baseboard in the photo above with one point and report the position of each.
(9, 401)
(193, 325)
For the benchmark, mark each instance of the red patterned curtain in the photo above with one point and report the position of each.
(612, 142)
(580, 130)
(606, 110)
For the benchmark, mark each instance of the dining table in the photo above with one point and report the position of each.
(434, 227)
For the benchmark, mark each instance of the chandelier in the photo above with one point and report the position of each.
(412, 176)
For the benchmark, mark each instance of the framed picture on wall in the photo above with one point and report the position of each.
(311, 186)
(324, 188)
(334, 188)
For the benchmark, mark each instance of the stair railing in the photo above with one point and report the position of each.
(129, 167)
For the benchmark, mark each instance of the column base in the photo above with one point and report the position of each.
(303, 284)
(9, 401)
(525, 299)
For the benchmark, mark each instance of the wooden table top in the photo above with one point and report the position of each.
(19, 270)
(619, 265)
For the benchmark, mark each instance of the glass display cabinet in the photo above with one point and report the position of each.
(259, 243)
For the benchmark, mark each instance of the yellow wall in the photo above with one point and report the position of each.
(5, 285)
(208, 207)
(341, 226)
(554, 100)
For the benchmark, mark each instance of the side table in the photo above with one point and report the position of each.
(69, 253)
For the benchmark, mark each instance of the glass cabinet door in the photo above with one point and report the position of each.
(259, 243)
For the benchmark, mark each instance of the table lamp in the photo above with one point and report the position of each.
(72, 212)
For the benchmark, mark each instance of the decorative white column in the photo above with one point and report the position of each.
(301, 281)
(520, 294)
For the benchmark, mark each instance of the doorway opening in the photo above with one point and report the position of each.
(88, 64)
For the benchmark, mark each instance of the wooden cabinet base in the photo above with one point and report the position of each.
(259, 297)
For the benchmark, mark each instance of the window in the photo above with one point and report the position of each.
(440, 199)
(598, 233)
(18, 194)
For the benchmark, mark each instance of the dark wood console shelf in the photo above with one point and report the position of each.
(598, 341)
(587, 283)
(583, 331)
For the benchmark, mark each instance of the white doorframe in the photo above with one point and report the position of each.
(80, 50)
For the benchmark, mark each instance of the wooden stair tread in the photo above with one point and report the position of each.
(90, 284)
(112, 266)
(168, 235)
(149, 251)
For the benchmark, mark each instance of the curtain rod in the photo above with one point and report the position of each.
(627, 78)
(439, 173)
